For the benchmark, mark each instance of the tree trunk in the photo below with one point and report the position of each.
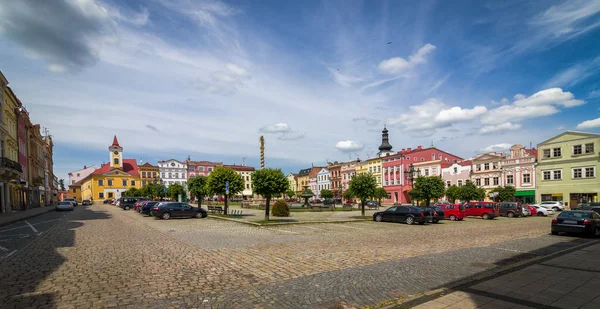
(226, 207)
(362, 207)
(267, 206)
(199, 202)
(427, 202)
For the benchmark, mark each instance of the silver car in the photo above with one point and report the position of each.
(64, 206)
(526, 212)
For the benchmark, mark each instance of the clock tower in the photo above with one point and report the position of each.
(116, 154)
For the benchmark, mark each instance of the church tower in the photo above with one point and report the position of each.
(116, 154)
(385, 148)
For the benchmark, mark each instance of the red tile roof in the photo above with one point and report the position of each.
(466, 163)
(129, 166)
(532, 152)
(148, 165)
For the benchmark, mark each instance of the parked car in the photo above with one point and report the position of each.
(485, 210)
(328, 201)
(407, 214)
(64, 205)
(147, 208)
(316, 201)
(86, 203)
(167, 210)
(372, 204)
(437, 214)
(532, 210)
(127, 203)
(594, 208)
(511, 209)
(453, 212)
(592, 204)
(106, 201)
(554, 205)
(586, 222)
(138, 205)
(526, 211)
(72, 200)
(542, 211)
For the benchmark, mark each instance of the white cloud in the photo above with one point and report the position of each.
(458, 114)
(566, 20)
(589, 124)
(280, 127)
(58, 68)
(496, 147)
(508, 113)
(291, 136)
(398, 64)
(227, 81)
(349, 146)
(551, 96)
(368, 121)
(501, 127)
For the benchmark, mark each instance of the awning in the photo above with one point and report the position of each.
(525, 193)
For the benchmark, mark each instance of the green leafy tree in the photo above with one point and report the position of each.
(503, 193)
(326, 193)
(197, 187)
(480, 194)
(215, 183)
(380, 194)
(429, 188)
(61, 184)
(174, 190)
(155, 190)
(348, 195)
(268, 183)
(468, 192)
(290, 193)
(363, 186)
(453, 193)
(131, 192)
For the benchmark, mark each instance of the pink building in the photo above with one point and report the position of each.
(200, 168)
(348, 171)
(518, 170)
(456, 174)
(76, 176)
(486, 171)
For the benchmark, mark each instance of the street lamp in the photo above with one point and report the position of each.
(411, 172)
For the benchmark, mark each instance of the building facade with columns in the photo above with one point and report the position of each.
(518, 170)
(486, 171)
(173, 171)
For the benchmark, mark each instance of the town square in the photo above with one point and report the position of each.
(312, 154)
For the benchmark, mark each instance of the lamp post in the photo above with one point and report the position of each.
(411, 172)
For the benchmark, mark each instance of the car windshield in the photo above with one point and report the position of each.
(575, 214)
(64, 203)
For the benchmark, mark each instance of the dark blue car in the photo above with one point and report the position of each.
(148, 207)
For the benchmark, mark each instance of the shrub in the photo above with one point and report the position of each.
(280, 209)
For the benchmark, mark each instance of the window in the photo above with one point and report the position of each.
(72, 181)
(577, 173)
(557, 174)
(546, 153)
(486, 181)
(440, 156)
(577, 149)
(370, 169)
(455, 170)
(589, 148)
(170, 175)
(460, 183)
(426, 172)
(77, 174)
(449, 183)
(124, 182)
(433, 156)
(100, 194)
(495, 165)
(133, 182)
(422, 159)
(210, 169)
(526, 178)
(154, 174)
(163, 175)
(74, 190)
(201, 168)
(433, 171)
(116, 160)
(547, 175)
(191, 168)
(496, 181)
(100, 182)
(478, 182)
(486, 166)
(510, 179)
(143, 174)
(143, 183)
(110, 194)
(379, 169)
(589, 172)
(109, 182)
(556, 152)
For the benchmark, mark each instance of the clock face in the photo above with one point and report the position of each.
(172, 164)
(116, 152)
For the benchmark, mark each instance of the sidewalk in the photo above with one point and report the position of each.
(11, 217)
(566, 281)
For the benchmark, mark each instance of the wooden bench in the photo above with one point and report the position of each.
(215, 209)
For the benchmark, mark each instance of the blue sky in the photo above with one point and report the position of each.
(173, 78)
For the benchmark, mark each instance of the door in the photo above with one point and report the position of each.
(187, 210)
(389, 214)
(401, 213)
(478, 211)
(176, 210)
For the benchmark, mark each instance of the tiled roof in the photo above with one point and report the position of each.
(129, 166)
(466, 163)
(532, 152)
(240, 168)
(204, 163)
(148, 165)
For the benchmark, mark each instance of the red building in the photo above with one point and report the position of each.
(426, 161)
(200, 168)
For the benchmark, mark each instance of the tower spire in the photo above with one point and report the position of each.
(385, 148)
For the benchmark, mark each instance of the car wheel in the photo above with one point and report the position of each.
(166, 216)
(540, 214)
(554, 233)
(126, 207)
(204, 215)
(452, 217)
(410, 220)
(485, 216)
(195, 215)
(511, 214)
(378, 218)
(555, 209)
(435, 221)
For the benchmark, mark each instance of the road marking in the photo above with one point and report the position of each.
(31, 226)
(511, 250)
(3, 249)
(20, 227)
(285, 231)
(13, 252)
(347, 226)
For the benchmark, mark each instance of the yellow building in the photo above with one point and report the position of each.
(371, 166)
(149, 174)
(293, 180)
(75, 192)
(112, 178)
(11, 148)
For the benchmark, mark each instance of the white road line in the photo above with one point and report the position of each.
(4, 249)
(31, 226)
(13, 252)
(511, 250)
(312, 228)
(24, 226)
(285, 231)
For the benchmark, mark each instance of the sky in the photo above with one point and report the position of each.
(319, 79)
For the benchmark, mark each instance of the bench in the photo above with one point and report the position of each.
(215, 209)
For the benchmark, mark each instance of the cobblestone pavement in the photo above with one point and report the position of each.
(102, 256)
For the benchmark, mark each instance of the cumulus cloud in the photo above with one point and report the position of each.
(508, 126)
(496, 147)
(151, 127)
(589, 124)
(349, 146)
(398, 64)
(280, 127)
(368, 121)
(551, 96)
(226, 81)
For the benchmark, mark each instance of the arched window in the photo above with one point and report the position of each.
(116, 160)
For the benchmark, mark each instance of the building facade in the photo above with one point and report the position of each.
(456, 174)
(293, 181)
(335, 179)
(201, 168)
(76, 176)
(246, 173)
(486, 171)
(348, 171)
(149, 173)
(173, 171)
(567, 168)
(323, 182)
(371, 166)
(518, 170)
(11, 150)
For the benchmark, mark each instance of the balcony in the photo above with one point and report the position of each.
(10, 169)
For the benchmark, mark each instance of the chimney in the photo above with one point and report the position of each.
(408, 149)
(402, 150)
(84, 167)
(419, 147)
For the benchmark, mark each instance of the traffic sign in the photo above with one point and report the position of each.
(227, 186)
(165, 190)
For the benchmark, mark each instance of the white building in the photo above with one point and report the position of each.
(78, 175)
(172, 171)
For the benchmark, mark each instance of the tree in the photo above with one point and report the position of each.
(363, 186)
(269, 182)
(453, 193)
(380, 194)
(290, 193)
(61, 184)
(348, 195)
(215, 183)
(428, 188)
(326, 193)
(503, 193)
(480, 194)
(174, 190)
(131, 192)
(197, 188)
(468, 192)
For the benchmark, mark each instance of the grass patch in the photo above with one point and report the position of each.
(361, 217)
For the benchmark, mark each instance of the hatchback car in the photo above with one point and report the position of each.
(64, 205)
(145, 210)
(127, 203)
(485, 210)
(586, 222)
(168, 210)
(511, 209)
(542, 211)
(532, 210)
(72, 200)
(408, 214)
(453, 212)
(526, 211)
(554, 205)
(86, 203)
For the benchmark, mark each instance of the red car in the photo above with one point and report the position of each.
(138, 206)
(532, 209)
(485, 210)
(453, 212)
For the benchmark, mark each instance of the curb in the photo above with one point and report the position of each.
(427, 296)
(31, 215)
(284, 223)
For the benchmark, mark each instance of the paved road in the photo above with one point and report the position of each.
(102, 256)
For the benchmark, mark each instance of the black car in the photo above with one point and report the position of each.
(127, 203)
(408, 214)
(594, 208)
(437, 214)
(176, 210)
(106, 201)
(145, 210)
(585, 222)
(86, 202)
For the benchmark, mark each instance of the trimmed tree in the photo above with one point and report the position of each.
(269, 182)
(480, 194)
(131, 192)
(348, 195)
(290, 193)
(363, 186)
(380, 194)
(326, 193)
(468, 192)
(197, 188)
(215, 183)
(428, 188)
(174, 190)
(453, 193)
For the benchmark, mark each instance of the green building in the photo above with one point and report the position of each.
(567, 168)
